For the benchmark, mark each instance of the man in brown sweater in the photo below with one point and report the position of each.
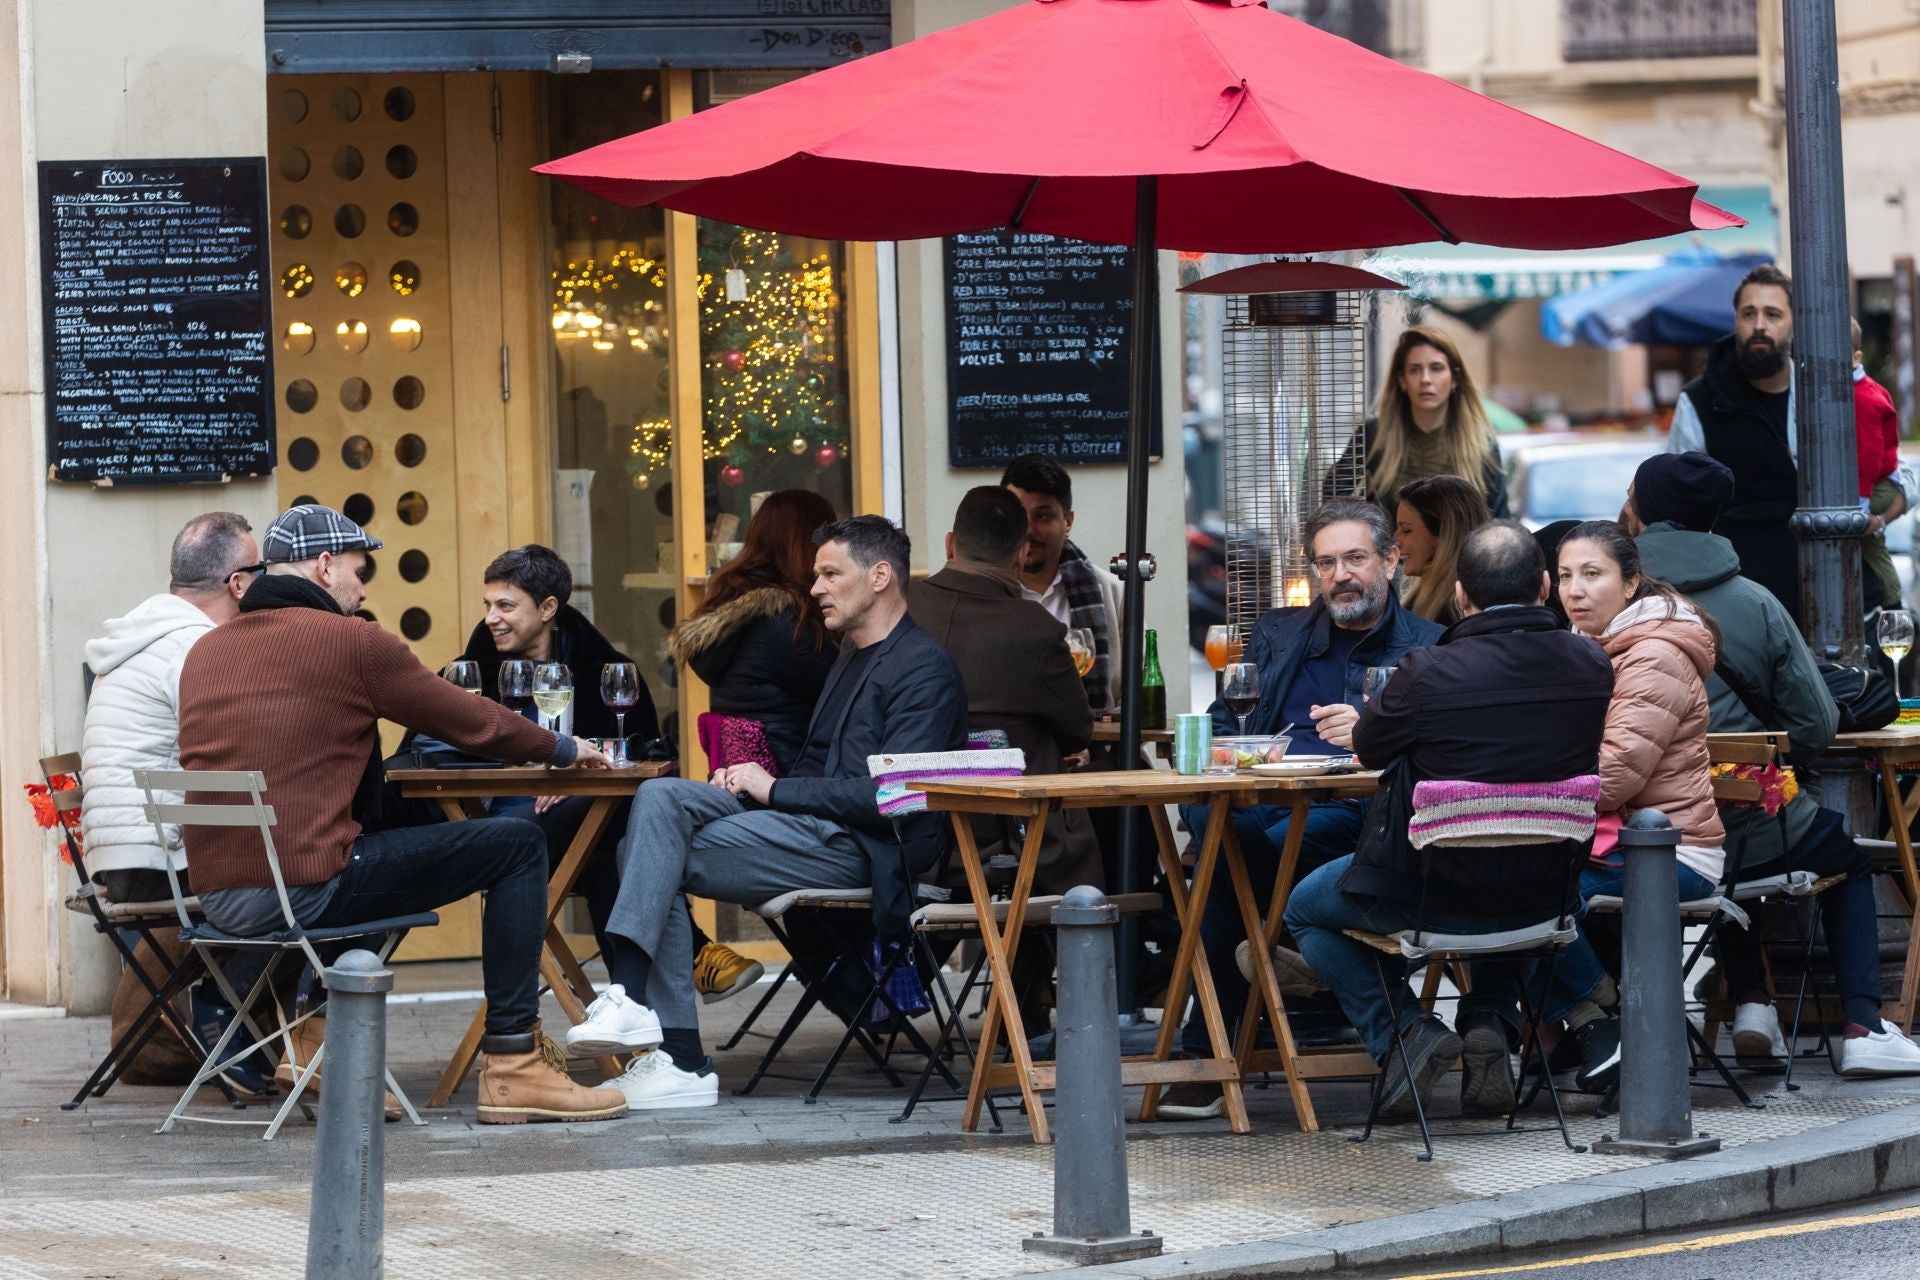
(297, 691)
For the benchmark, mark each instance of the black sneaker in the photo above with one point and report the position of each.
(1486, 1069)
(1192, 1100)
(1599, 1042)
(1432, 1049)
(243, 1075)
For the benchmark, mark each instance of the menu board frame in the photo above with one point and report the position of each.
(237, 187)
(989, 383)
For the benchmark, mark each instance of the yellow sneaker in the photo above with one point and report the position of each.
(720, 971)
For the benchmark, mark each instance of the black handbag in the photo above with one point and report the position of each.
(1863, 694)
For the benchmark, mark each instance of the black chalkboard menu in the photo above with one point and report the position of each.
(1038, 334)
(159, 366)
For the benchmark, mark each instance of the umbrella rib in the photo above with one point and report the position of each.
(1421, 209)
(1020, 211)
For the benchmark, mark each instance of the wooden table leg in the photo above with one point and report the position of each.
(1266, 984)
(552, 966)
(1900, 817)
(1003, 1006)
(1191, 909)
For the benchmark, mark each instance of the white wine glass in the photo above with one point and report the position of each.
(620, 689)
(1896, 639)
(464, 674)
(552, 692)
(1080, 645)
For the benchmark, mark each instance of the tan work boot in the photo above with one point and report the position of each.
(524, 1078)
(307, 1039)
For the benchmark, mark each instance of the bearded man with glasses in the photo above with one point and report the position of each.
(1313, 663)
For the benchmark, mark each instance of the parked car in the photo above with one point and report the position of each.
(1573, 475)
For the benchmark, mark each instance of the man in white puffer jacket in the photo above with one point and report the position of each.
(133, 713)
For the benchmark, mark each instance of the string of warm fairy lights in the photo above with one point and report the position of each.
(768, 343)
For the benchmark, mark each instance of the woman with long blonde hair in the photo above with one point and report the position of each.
(1429, 422)
(1435, 514)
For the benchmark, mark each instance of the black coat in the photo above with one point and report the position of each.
(579, 644)
(754, 668)
(1504, 696)
(909, 698)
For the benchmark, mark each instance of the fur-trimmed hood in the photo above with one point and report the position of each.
(705, 632)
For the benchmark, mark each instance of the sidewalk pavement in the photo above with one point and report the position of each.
(766, 1186)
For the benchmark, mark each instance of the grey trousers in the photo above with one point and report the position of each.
(692, 837)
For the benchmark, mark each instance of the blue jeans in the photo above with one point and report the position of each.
(1332, 831)
(1847, 911)
(1318, 911)
(415, 869)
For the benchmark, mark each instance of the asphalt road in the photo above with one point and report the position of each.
(1874, 1240)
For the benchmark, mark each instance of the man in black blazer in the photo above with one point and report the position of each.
(745, 837)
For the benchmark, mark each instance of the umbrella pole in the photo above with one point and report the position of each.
(1146, 311)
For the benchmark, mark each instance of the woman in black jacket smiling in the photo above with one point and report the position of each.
(757, 639)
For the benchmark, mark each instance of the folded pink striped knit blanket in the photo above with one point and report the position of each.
(1452, 813)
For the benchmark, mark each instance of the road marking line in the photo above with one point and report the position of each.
(1680, 1246)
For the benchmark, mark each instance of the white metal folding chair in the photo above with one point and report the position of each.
(215, 947)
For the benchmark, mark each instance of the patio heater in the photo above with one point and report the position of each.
(1294, 399)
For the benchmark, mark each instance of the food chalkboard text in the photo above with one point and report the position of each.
(157, 318)
(1037, 348)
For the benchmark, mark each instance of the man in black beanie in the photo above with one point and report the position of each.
(1765, 678)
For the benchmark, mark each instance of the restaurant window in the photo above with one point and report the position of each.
(607, 308)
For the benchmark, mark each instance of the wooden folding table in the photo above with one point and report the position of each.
(1032, 799)
(1889, 751)
(457, 790)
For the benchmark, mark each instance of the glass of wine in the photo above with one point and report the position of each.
(1896, 639)
(552, 692)
(1080, 645)
(1222, 648)
(1374, 681)
(620, 689)
(1240, 689)
(516, 685)
(465, 674)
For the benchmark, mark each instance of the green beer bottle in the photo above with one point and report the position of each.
(1153, 687)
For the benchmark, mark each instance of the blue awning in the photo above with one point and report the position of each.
(1688, 300)
(1468, 273)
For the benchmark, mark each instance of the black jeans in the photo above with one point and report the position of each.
(414, 869)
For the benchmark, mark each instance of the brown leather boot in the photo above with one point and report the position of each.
(524, 1078)
(307, 1039)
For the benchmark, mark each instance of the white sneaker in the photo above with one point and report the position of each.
(1756, 1034)
(1882, 1053)
(652, 1083)
(614, 1024)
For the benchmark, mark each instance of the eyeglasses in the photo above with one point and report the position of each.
(246, 568)
(1355, 561)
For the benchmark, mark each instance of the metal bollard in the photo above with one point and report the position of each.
(1656, 1095)
(346, 1226)
(1090, 1213)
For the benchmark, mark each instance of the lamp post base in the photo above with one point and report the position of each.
(1670, 1149)
(1085, 1250)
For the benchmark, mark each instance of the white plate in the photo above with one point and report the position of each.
(1302, 766)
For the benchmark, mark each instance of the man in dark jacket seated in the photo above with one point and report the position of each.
(1505, 696)
(1766, 678)
(1313, 663)
(1019, 676)
(745, 837)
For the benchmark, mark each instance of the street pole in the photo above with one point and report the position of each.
(346, 1224)
(1829, 522)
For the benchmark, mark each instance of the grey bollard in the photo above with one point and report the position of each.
(346, 1225)
(1656, 1091)
(1090, 1213)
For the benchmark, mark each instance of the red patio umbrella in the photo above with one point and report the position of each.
(1178, 124)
